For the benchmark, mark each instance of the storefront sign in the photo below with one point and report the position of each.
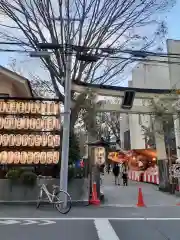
(10, 157)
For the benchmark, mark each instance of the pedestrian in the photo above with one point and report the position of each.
(125, 177)
(116, 172)
(108, 168)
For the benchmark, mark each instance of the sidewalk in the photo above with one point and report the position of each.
(127, 196)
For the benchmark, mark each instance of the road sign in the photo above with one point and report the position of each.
(175, 170)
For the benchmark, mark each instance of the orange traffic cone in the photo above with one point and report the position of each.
(94, 200)
(140, 202)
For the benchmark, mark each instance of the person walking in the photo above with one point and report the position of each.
(125, 177)
(116, 172)
(108, 168)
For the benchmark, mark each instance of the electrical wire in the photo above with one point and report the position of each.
(107, 50)
(108, 57)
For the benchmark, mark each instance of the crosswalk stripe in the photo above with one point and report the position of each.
(104, 230)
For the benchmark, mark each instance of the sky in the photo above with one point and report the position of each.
(172, 19)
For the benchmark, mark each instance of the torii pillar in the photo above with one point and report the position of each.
(162, 160)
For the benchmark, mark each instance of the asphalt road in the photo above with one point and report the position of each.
(89, 229)
(90, 223)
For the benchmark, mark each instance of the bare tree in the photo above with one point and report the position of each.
(102, 23)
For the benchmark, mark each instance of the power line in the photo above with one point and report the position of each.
(138, 59)
(106, 50)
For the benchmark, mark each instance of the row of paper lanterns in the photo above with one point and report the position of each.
(30, 140)
(29, 157)
(49, 123)
(33, 107)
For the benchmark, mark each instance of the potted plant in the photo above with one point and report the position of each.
(28, 178)
(13, 175)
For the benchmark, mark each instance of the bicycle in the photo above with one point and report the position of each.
(53, 198)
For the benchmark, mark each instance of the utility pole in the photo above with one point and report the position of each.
(67, 111)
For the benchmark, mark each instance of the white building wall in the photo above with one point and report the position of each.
(153, 75)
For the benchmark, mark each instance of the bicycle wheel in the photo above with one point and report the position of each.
(39, 198)
(59, 202)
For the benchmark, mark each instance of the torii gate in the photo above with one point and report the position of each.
(143, 107)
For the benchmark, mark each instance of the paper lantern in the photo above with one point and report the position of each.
(36, 159)
(7, 123)
(23, 157)
(38, 108)
(30, 157)
(10, 157)
(55, 157)
(57, 109)
(8, 107)
(33, 107)
(13, 107)
(38, 123)
(50, 123)
(57, 124)
(32, 123)
(43, 157)
(49, 157)
(4, 157)
(38, 140)
(12, 140)
(31, 140)
(23, 123)
(1, 122)
(5, 140)
(18, 106)
(48, 108)
(18, 140)
(44, 140)
(51, 108)
(21, 107)
(27, 107)
(43, 108)
(18, 123)
(17, 157)
(50, 140)
(24, 140)
(56, 140)
(1, 106)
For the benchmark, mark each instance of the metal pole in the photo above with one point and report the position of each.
(66, 124)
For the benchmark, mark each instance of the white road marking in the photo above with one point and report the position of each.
(9, 222)
(46, 222)
(13, 220)
(104, 230)
(28, 222)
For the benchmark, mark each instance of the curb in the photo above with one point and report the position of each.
(78, 203)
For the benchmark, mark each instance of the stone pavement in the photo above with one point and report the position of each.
(127, 196)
